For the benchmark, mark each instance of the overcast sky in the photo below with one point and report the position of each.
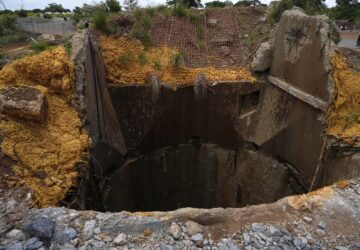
(70, 4)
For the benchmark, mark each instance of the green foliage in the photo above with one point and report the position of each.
(277, 8)
(157, 65)
(218, 4)
(178, 61)
(163, 9)
(180, 11)
(22, 13)
(7, 24)
(53, 7)
(185, 3)
(150, 11)
(142, 58)
(125, 58)
(13, 38)
(113, 5)
(194, 18)
(130, 4)
(247, 3)
(346, 10)
(201, 45)
(68, 46)
(262, 33)
(101, 22)
(38, 47)
(144, 37)
(200, 32)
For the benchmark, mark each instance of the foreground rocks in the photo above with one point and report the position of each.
(331, 223)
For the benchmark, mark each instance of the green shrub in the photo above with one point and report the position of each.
(144, 37)
(125, 58)
(180, 11)
(38, 47)
(200, 32)
(146, 21)
(150, 11)
(201, 45)
(163, 9)
(142, 58)
(157, 65)
(101, 22)
(68, 46)
(194, 18)
(277, 8)
(7, 24)
(113, 5)
(178, 61)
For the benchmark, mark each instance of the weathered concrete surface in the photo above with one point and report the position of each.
(301, 53)
(198, 175)
(26, 103)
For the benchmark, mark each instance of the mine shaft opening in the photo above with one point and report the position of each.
(184, 150)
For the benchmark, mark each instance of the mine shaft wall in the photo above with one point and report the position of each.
(175, 117)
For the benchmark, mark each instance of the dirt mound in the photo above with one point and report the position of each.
(344, 115)
(44, 155)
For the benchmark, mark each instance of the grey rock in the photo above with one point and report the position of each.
(257, 227)
(193, 228)
(320, 232)
(274, 231)
(225, 50)
(232, 247)
(89, 229)
(66, 235)
(33, 244)
(41, 227)
(16, 234)
(121, 239)
(212, 22)
(341, 248)
(166, 247)
(307, 219)
(197, 238)
(322, 225)
(175, 230)
(15, 246)
(298, 243)
(247, 238)
(263, 57)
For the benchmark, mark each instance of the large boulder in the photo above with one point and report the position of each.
(26, 103)
(262, 59)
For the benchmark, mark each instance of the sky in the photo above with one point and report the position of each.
(70, 4)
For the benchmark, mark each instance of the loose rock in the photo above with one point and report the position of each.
(175, 230)
(121, 239)
(89, 229)
(33, 244)
(16, 234)
(66, 235)
(193, 228)
(41, 227)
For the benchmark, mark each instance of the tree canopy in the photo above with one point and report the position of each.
(185, 3)
(218, 4)
(346, 10)
(54, 7)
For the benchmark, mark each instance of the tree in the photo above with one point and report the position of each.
(185, 3)
(130, 4)
(218, 4)
(53, 7)
(113, 5)
(347, 10)
(248, 3)
(311, 7)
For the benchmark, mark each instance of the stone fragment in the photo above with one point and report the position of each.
(121, 239)
(307, 219)
(322, 225)
(274, 231)
(320, 232)
(16, 234)
(89, 229)
(197, 239)
(15, 246)
(66, 235)
(212, 22)
(26, 103)
(33, 244)
(175, 230)
(193, 228)
(41, 227)
(247, 238)
(221, 41)
(257, 227)
(262, 59)
(166, 247)
(341, 248)
(225, 50)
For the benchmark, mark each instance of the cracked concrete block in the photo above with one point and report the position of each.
(23, 102)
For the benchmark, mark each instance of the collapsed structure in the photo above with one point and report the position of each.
(185, 123)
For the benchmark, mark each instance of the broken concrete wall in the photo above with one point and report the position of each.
(301, 53)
